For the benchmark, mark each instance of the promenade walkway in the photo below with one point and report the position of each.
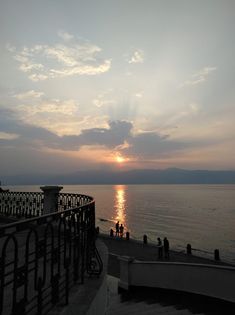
(146, 252)
(155, 301)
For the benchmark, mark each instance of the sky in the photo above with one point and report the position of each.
(117, 85)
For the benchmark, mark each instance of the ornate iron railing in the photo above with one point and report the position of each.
(43, 257)
(68, 201)
(21, 204)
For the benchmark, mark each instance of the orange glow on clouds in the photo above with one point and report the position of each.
(120, 159)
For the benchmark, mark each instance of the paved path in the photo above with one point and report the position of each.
(156, 301)
(149, 252)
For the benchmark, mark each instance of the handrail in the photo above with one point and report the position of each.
(47, 217)
(42, 257)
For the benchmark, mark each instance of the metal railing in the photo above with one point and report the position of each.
(41, 258)
(68, 201)
(21, 204)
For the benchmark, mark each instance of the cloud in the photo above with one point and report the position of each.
(152, 145)
(199, 77)
(8, 136)
(111, 137)
(118, 136)
(28, 135)
(137, 57)
(39, 126)
(139, 95)
(61, 116)
(65, 36)
(29, 95)
(10, 48)
(72, 57)
(38, 77)
(66, 107)
(194, 108)
(103, 99)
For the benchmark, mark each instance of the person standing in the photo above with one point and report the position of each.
(166, 247)
(117, 228)
(160, 248)
(121, 230)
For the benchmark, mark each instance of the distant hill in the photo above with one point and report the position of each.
(144, 176)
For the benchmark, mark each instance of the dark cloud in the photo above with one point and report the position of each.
(27, 134)
(111, 137)
(151, 144)
(143, 146)
(114, 135)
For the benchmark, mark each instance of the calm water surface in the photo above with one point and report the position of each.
(202, 215)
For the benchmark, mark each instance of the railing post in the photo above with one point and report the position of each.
(50, 198)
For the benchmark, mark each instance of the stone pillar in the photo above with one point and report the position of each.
(125, 262)
(50, 198)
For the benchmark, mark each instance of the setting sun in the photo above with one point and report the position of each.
(120, 159)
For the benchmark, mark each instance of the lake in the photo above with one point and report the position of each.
(202, 215)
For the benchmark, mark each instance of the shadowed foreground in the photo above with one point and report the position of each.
(142, 300)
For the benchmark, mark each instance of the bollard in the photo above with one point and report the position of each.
(97, 230)
(127, 236)
(145, 239)
(216, 254)
(111, 233)
(189, 249)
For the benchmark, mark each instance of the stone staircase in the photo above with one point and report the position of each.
(143, 308)
(149, 301)
(126, 304)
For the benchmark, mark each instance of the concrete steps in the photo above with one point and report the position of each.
(142, 308)
(136, 308)
(117, 305)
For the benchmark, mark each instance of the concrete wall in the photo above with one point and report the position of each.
(209, 280)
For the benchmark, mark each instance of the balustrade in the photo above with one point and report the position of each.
(21, 204)
(43, 255)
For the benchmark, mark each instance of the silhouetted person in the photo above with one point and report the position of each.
(121, 230)
(160, 247)
(117, 228)
(166, 247)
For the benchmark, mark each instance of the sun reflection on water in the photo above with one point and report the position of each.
(120, 205)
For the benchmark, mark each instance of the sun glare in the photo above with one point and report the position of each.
(120, 159)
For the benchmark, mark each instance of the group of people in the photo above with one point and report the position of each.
(165, 246)
(119, 229)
